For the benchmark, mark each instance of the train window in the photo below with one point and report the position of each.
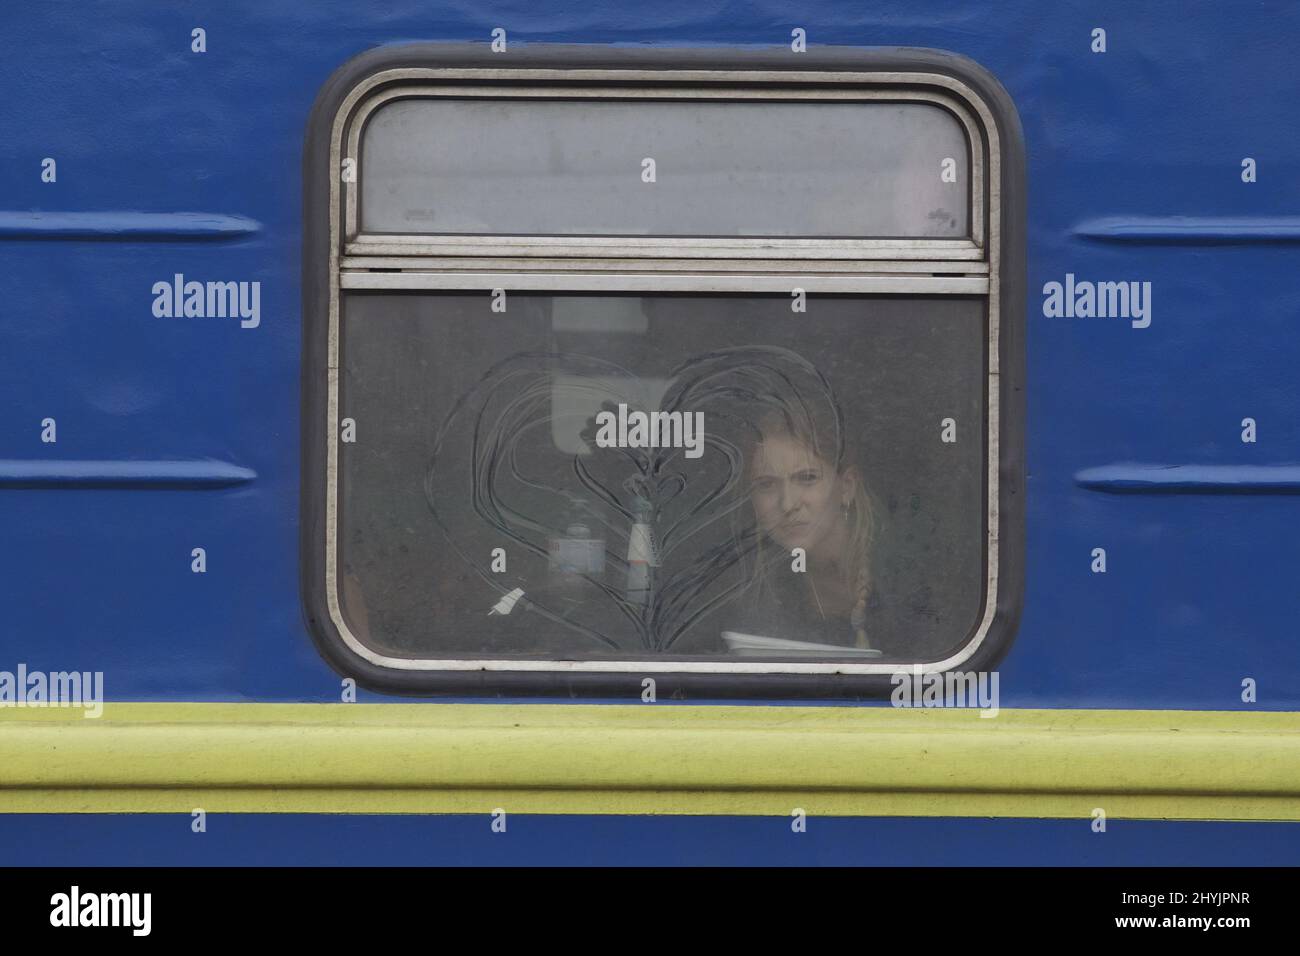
(703, 376)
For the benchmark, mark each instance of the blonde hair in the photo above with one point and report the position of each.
(860, 513)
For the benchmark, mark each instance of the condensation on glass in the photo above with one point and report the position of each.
(583, 167)
(482, 517)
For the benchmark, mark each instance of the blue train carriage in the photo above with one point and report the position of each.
(839, 435)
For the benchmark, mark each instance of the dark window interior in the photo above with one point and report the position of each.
(475, 431)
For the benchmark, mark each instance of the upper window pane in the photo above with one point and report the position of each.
(574, 167)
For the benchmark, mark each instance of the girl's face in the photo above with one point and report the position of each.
(797, 496)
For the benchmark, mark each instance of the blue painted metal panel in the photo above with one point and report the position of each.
(387, 840)
(158, 147)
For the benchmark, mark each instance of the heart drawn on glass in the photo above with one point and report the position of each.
(630, 525)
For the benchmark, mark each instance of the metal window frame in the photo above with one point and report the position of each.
(989, 263)
(709, 86)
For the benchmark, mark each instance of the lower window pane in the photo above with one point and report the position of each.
(668, 476)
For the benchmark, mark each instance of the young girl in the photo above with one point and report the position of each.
(806, 493)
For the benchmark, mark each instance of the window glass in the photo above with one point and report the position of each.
(822, 432)
(735, 168)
